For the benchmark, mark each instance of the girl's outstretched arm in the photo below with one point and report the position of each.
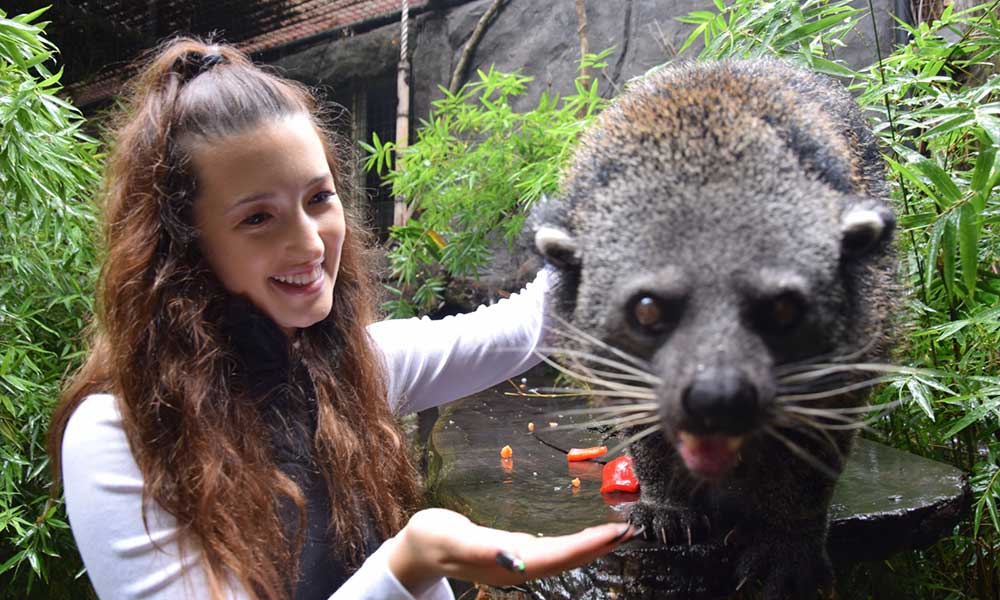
(438, 542)
(431, 362)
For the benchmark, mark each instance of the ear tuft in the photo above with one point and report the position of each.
(557, 246)
(862, 228)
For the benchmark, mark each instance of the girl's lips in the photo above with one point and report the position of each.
(302, 276)
(300, 290)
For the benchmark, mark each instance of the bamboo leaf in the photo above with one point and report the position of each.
(830, 67)
(990, 124)
(948, 191)
(948, 126)
(981, 176)
(948, 253)
(920, 394)
(968, 239)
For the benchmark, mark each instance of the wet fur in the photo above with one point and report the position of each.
(716, 187)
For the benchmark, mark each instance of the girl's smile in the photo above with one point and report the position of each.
(271, 224)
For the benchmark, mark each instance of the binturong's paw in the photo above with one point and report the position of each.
(668, 524)
(786, 567)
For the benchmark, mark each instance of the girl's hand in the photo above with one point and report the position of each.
(438, 542)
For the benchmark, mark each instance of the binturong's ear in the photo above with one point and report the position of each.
(552, 238)
(866, 224)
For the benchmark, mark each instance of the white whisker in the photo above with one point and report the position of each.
(580, 335)
(617, 408)
(618, 423)
(809, 362)
(599, 393)
(832, 392)
(584, 378)
(644, 374)
(802, 453)
(634, 438)
(851, 410)
(814, 429)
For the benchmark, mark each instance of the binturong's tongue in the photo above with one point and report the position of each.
(709, 456)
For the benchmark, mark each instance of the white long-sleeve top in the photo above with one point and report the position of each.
(427, 362)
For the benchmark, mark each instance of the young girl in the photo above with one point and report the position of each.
(232, 432)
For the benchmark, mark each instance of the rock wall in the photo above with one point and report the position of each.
(539, 38)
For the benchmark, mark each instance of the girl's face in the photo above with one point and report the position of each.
(270, 221)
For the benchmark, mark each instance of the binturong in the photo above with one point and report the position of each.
(723, 239)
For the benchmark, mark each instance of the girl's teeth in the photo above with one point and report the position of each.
(302, 278)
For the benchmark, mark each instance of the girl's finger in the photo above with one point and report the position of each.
(547, 555)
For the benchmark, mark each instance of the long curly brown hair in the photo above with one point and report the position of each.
(155, 345)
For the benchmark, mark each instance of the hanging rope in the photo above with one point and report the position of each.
(401, 212)
(404, 39)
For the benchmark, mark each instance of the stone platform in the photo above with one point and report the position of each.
(886, 500)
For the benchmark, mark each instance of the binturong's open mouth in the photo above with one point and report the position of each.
(709, 456)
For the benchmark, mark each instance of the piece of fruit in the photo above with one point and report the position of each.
(506, 452)
(618, 476)
(577, 454)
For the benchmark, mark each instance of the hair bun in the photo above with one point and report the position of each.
(191, 64)
(210, 60)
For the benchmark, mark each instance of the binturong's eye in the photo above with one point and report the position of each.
(781, 312)
(651, 314)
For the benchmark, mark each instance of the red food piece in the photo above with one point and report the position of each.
(618, 476)
(577, 454)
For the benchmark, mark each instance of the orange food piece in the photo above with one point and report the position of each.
(575, 483)
(576, 454)
(506, 452)
(531, 427)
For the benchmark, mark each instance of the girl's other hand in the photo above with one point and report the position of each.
(438, 542)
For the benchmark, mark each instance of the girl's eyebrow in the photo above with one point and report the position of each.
(263, 195)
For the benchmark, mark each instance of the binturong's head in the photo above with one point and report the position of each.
(724, 228)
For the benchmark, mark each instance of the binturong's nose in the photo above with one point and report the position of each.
(720, 400)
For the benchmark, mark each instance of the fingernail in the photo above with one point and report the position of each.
(510, 562)
(621, 534)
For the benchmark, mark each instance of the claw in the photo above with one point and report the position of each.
(688, 527)
(741, 583)
(663, 534)
(725, 540)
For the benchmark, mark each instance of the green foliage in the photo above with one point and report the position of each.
(806, 31)
(475, 168)
(48, 169)
(935, 104)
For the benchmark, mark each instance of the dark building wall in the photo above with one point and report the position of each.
(539, 38)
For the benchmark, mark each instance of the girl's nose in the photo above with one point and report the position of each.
(303, 238)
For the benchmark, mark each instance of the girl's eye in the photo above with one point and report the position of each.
(322, 197)
(256, 219)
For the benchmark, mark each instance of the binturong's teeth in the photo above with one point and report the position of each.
(689, 440)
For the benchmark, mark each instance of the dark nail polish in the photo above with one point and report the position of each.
(510, 562)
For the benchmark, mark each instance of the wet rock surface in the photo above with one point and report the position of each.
(885, 501)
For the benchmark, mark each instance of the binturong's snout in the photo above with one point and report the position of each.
(720, 407)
